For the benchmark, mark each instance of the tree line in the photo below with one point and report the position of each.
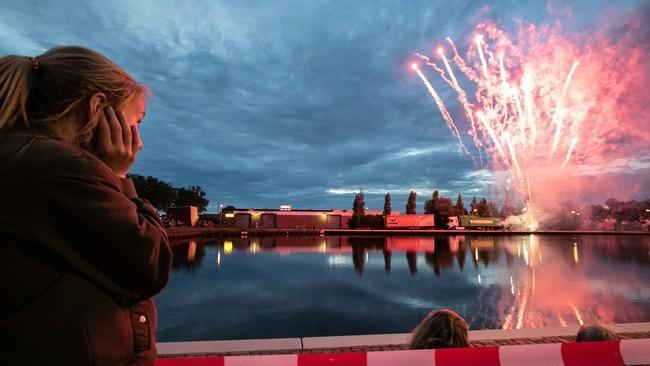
(163, 195)
(440, 207)
(619, 211)
(359, 218)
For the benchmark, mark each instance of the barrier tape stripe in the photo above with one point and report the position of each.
(625, 352)
(607, 353)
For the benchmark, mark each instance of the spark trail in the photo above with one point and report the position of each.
(441, 106)
(479, 47)
(462, 99)
(568, 154)
(558, 119)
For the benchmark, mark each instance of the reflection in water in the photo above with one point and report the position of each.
(517, 281)
(191, 251)
(387, 257)
(412, 260)
(227, 246)
(187, 255)
(358, 258)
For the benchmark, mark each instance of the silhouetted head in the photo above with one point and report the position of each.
(594, 333)
(440, 329)
(62, 92)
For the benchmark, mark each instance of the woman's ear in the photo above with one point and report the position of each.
(86, 131)
(96, 102)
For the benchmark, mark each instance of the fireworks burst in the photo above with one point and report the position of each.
(524, 113)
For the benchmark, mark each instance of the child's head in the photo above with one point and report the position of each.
(440, 329)
(594, 333)
(62, 92)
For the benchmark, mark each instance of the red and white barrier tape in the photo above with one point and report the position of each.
(625, 352)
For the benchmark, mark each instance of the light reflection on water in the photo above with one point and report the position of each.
(315, 286)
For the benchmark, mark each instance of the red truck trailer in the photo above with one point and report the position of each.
(412, 221)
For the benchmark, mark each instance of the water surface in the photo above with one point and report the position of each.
(321, 286)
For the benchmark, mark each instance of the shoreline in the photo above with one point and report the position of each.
(382, 342)
(185, 233)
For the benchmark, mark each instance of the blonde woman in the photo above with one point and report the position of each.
(440, 329)
(81, 255)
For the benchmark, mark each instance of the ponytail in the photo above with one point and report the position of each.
(40, 93)
(15, 79)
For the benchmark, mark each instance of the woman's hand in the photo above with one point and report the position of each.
(117, 141)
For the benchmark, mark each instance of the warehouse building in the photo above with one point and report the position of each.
(288, 219)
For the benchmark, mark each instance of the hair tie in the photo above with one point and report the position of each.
(34, 61)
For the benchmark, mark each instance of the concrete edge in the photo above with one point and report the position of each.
(205, 347)
(355, 340)
(571, 330)
(305, 343)
(635, 327)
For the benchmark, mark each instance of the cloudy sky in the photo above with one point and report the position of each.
(301, 102)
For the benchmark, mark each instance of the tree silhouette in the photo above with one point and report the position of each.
(473, 207)
(359, 204)
(428, 207)
(431, 206)
(411, 203)
(160, 194)
(387, 209)
(436, 201)
(507, 210)
(460, 206)
(191, 196)
(445, 210)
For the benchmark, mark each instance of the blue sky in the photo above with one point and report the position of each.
(301, 102)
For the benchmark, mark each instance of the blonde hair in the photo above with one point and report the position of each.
(440, 329)
(36, 92)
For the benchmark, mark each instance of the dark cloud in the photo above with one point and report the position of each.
(263, 103)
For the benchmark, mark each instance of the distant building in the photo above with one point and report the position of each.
(283, 219)
(187, 215)
(378, 212)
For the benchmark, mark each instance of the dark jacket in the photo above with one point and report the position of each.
(80, 258)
